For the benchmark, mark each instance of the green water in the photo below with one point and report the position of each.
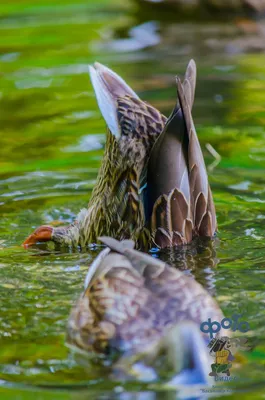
(51, 140)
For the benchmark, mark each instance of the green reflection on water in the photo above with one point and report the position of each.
(51, 139)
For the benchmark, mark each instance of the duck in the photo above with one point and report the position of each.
(136, 307)
(152, 186)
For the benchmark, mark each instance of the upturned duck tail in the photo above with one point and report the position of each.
(201, 201)
(108, 87)
(179, 195)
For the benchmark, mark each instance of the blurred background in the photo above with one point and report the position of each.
(51, 143)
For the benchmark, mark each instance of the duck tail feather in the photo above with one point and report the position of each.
(94, 267)
(98, 266)
(108, 87)
(189, 82)
(178, 210)
(201, 201)
(211, 210)
(117, 246)
(171, 221)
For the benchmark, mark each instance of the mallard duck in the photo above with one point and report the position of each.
(152, 194)
(135, 306)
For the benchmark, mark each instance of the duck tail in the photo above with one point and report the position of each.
(99, 266)
(168, 174)
(180, 198)
(116, 245)
(201, 201)
(108, 87)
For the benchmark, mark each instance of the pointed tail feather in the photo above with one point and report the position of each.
(177, 181)
(115, 245)
(105, 261)
(189, 82)
(94, 267)
(108, 88)
(201, 203)
(168, 181)
(167, 166)
(171, 223)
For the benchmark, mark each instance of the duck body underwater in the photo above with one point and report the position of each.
(152, 186)
(137, 310)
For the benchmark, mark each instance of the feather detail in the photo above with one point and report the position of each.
(108, 86)
(171, 223)
(205, 227)
(200, 209)
(178, 211)
(188, 230)
(159, 216)
(187, 199)
(116, 245)
(211, 210)
(126, 200)
(143, 151)
(132, 300)
(189, 82)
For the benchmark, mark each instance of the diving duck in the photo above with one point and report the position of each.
(135, 307)
(152, 185)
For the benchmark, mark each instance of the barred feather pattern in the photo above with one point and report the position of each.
(145, 150)
(133, 302)
(115, 207)
(186, 209)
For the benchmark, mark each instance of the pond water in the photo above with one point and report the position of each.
(52, 139)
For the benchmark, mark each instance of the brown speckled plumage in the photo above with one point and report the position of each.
(132, 299)
(117, 207)
(152, 185)
(181, 202)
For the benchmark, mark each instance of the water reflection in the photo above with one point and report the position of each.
(140, 37)
(49, 164)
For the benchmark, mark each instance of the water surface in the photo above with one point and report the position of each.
(52, 139)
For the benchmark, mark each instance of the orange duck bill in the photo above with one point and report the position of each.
(41, 234)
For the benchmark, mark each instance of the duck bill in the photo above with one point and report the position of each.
(41, 234)
(108, 87)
